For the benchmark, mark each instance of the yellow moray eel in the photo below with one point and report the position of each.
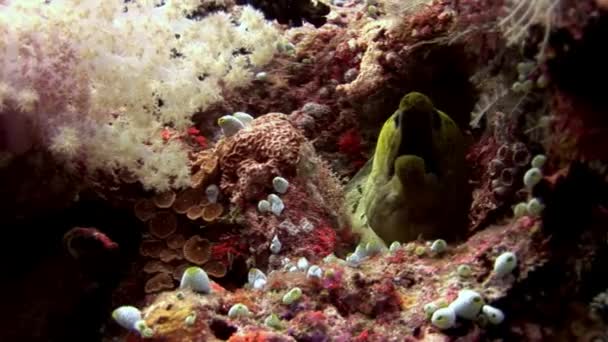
(415, 184)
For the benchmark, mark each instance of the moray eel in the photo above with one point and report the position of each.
(415, 184)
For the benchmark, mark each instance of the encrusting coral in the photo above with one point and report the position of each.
(251, 159)
(271, 151)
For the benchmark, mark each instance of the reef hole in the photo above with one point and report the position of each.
(221, 329)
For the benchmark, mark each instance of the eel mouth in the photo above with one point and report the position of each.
(417, 137)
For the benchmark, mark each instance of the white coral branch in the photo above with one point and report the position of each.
(522, 14)
(486, 103)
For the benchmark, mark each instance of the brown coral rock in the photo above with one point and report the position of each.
(195, 212)
(253, 156)
(155, 266)
(164, 200)
(209, 164)
(163, 224)
(176, 241)
(197, 250)
(168, 255)
(212, 211)
(144, 209)
(198, 178)
(151, 248)
(215, 269)
(178, 271)
(159, 282)
(187, 199)
(206, 166)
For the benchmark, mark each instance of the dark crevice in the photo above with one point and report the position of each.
(222, 329)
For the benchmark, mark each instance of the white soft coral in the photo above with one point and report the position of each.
(5, 94)
(93, 71)
(66, 142)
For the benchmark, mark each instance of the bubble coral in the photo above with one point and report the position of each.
(196, 279)
(532, 177)
(275, 245)
(494, 315)
(538, 161)
(495, 166)
(126, 316)
(505, 263)
(507, 176)
(212, 192)
(238, 310)
(230, 125)
(444, 318)
(292, 296)
(280, 184)
(468, 304)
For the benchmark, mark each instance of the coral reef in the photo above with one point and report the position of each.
(346, 303)
(211, 225)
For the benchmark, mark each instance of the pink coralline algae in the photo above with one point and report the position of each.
(254, 156)
(304, 227)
